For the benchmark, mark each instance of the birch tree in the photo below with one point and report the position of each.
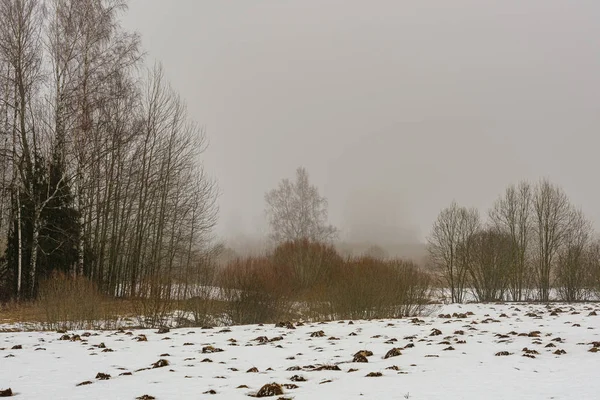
(296, 211)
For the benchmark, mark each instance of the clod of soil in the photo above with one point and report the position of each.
(503, 353)
(211, 391)
(102, 376)
(163, 330)
(559, 352)
(252, 370)
(528, 351)
(270, 389)
(435, 332)
(394, 368)
(298, 378)
(141, 338)
(290, 386)
(160, 363)
(17, 347)
(6, 393)
(393, 353)
(146, 397)
(211, 349)
(84, 383)
(285, 324)
(327, 368)
(360, 358)
(374, 374)
(365, 353)
(317, 334)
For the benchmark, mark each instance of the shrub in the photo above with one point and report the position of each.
(155, 304)
(309, 263)
(367, 287)
(201, 293)
(70, 302)
(253, 290)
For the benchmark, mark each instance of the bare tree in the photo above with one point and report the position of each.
(490, 264)
(552, 216)
(296, 211)
(512, 214)
(142, 207)
(20, 45)
(573, 268)
(450, 247)
(593, 266)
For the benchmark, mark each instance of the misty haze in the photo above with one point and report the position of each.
(299, 199)
(395, 108)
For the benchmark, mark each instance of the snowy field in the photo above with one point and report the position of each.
(512, 351)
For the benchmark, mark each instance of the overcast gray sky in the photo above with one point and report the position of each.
(395, 107)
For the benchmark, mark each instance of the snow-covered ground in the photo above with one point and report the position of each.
(463, 361)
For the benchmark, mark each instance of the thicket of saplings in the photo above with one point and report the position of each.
(298, 280)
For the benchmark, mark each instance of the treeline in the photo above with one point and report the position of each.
(534, 245)
(99, 163)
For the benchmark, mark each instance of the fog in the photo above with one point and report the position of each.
(394, 107)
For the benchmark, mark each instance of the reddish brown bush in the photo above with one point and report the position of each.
(254, 290)
(71, 302)
(366, 287)
(310, 264)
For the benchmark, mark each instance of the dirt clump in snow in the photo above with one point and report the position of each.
(395, 352)
(102, 376)
(270, 389)
(211, 349)
(6, 393)
(285, 324)
(327, 368)
(160, 363)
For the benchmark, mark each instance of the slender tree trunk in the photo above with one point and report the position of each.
(19, 247)
(34, 254)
